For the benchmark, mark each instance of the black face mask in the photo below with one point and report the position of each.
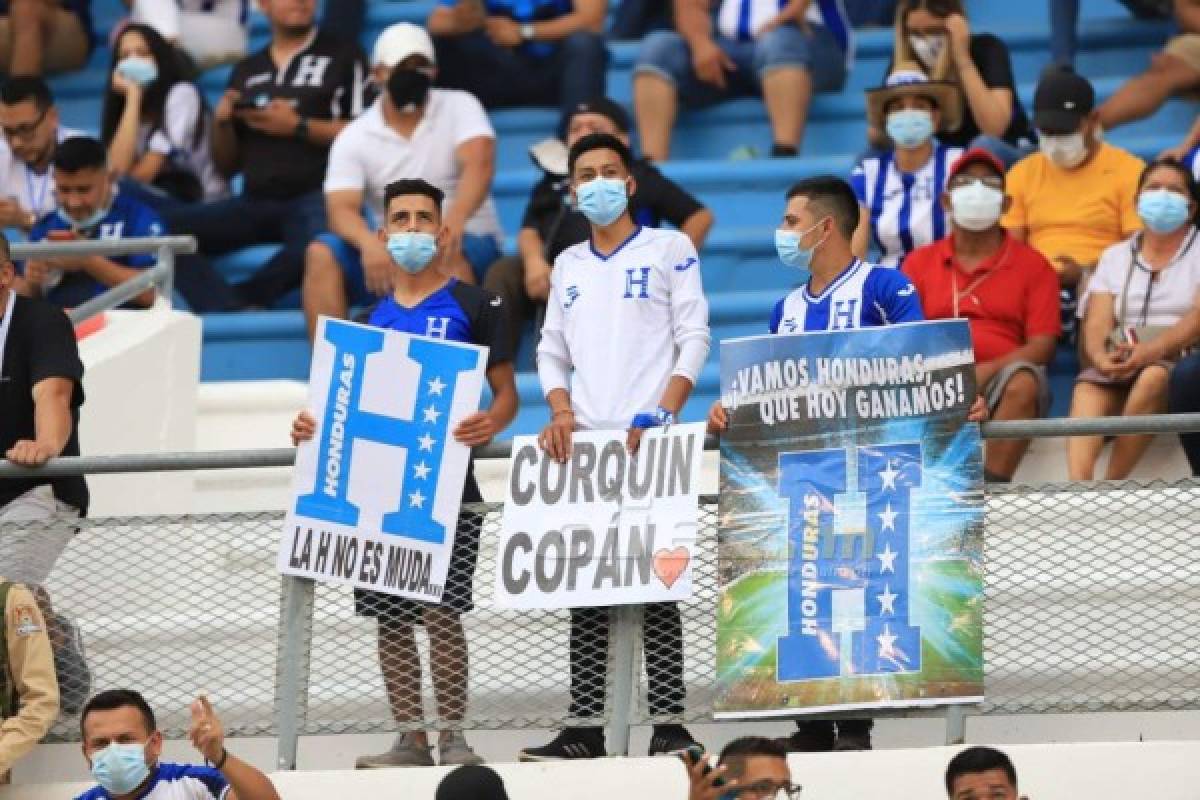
(408, 88)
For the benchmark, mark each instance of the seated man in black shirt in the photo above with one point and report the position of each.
(275, 122)
(550, 226)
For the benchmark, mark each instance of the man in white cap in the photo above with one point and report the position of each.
(411, 132)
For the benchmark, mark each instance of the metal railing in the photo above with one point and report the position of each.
(160, 277)
(1091, 598)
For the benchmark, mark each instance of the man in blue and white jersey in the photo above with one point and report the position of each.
(625, 338)
(123, 748)
(842, 293)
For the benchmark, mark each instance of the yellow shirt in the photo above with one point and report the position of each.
(1080, 212)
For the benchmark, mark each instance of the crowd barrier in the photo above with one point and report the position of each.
(1092, 595)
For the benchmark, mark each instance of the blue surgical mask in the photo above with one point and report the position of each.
(142, 71)
(89, 222)
(910, 128)
(1162, 210)
(787, 245)
(412, 250)
(120, 768)
(602, 200)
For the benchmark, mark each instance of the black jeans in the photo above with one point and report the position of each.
(1184, 398)
(662, 646)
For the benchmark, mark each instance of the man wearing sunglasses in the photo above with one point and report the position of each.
(750, 768)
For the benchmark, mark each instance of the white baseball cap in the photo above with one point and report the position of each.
(399, 41)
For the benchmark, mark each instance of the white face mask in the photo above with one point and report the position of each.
(1065, 152)
(927, 47)
(976, 206)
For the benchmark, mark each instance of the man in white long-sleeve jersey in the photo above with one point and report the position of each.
(625, 337)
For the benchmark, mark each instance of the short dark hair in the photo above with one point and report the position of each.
(1189, 180)
(26, 89)
(599, 141)
(830, 195)
(412, 186)
(80, 153)
(112, 699)
(978, 759)
(752, 746)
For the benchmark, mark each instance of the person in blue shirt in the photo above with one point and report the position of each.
(512, 53)
(425, 302)
(90, 207)
(842, 292)
(123, 748)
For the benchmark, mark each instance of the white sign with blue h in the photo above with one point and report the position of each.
(378, 489)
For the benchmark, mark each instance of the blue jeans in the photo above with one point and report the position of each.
(1184, 398)
(666, 54)
(480, 252)
(242, 221)
(563, 75)
(1064, 19)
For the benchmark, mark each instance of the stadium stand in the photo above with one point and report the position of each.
(740, 269)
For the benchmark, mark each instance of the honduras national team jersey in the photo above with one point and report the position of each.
(619, 326)
(740, 19)
(863, 296)
(906, 208)
(176, 782)
(457, 312)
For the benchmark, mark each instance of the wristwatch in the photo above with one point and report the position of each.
(527, 31)
(301, 131)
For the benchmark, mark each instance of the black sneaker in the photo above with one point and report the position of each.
(670, 740)
(572, 743)
(854, 734)
(811, 737)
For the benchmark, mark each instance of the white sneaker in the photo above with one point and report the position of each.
(404, 753)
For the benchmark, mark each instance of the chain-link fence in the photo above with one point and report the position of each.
(1093, 593)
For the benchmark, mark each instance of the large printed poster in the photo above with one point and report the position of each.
(851, 522)
(378, 490)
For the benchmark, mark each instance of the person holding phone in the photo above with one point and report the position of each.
(1141, 311)
(750, 767)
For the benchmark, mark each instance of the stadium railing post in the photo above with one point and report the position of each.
(293, 665)
(166, 258)
(625, 629)
(956, 724)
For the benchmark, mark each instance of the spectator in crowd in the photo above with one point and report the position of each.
(551, 225)
(274, 124)
(123, 748)
(29, 120)
(29, 703)
(979, 772)
(1139, 314)
(1078, 195)
(783, 52)
(39, 36)
(818, 225)
(752, 767)
(157, 125)
(899, 189)
(440, 135)
(1005, 289)
(636, 300)
(1176, 70)
(210, 32)
(936, 35)
(471, 782)
(424, 301)
(92, 208)
(508, 53)
(1064, 19)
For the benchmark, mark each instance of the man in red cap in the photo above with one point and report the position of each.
(1004, 288)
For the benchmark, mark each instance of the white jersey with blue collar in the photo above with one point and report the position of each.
(862, 296)
(175, 782)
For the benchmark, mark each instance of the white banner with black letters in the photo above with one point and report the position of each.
(606, 528)
(377, 491)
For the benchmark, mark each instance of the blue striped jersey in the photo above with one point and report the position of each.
(739, 19)
(175, 782)
(863, 296)
(906, 208)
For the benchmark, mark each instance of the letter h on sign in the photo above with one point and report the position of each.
(848, 605)
(423, 437)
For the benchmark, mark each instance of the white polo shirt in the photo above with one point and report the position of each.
(368, 154)
(1149, 301)
(18, 182)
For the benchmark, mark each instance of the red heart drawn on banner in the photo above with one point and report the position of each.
(670, 564)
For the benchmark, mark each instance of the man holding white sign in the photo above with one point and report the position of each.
(625, 337)
(425, 303)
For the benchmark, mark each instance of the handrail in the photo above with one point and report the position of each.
(285, 456)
